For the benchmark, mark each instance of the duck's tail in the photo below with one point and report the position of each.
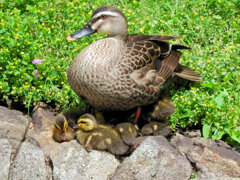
(186, 73)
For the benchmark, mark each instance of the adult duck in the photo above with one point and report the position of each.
(123, 71)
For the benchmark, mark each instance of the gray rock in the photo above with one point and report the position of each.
(101, 165)
(68, 160)
(212, 159)
(71, 161)
(13, 126)
(41, 132)
(42, 119)
(5, 158)
(155, 158)
(29, 164)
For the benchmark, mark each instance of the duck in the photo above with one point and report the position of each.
(123, 71)
(63, 125)
(94, 136)
(128, 132)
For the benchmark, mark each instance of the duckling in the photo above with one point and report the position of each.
(99, 137)
(163, 109)
(128, 132)
(63, 125)
(61, 130)
(155, 128)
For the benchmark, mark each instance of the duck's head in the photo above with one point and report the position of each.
(106, 19)
(61, 126)
(86, 122)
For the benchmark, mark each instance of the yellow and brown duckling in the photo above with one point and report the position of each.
(61, 130)
(155, 128)
(163, 109)
(63, 125)
(99, 137)
(128, 132)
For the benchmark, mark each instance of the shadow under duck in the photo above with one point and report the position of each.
(123, 71)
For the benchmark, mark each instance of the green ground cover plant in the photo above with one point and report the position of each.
(34, 54)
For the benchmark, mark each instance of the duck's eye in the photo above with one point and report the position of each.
(103, 16)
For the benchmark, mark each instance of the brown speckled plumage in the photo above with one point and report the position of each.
(123, 71)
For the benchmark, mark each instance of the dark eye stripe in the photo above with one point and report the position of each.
(99, 17)
(83, 122)
(58, 127)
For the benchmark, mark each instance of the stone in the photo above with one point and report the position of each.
(155, 158)
(42, 119)
(5, 158)
(68, 160)
(165, 131)
(193, 133)
(72, 161)
(101, 165)
(13, 126)
(41, 130)
(29, 163)
(211, 159)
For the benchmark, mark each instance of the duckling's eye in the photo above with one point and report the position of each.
(83, 122)
(58, 128)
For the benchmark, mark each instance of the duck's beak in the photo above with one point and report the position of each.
(63, 136)
(85, 31)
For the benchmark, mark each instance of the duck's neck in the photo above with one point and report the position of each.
(120, 37)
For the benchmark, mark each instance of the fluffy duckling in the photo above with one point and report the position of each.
(63, 125)
(128, 132)
(99, 137)
(155, 128)
(163, 109)
(61, 130)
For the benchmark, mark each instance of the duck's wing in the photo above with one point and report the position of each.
(149, 62)
(148, 56)
(142, 37)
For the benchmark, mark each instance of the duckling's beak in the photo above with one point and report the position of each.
(63, 136)
(76, 127)
(85, 31)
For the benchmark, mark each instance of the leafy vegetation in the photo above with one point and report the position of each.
(34, 55)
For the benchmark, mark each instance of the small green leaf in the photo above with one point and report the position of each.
(207, 85)
(219, 100)
(217, 17)
(2, 30)
(205, 130)
(218, 134)
(234, 135)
